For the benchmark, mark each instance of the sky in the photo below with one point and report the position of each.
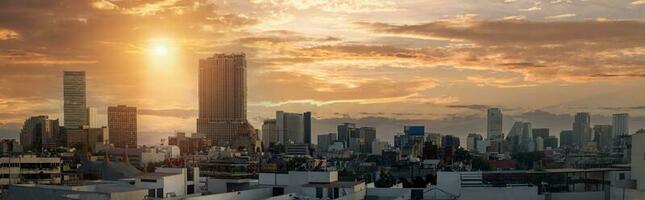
(380, 63)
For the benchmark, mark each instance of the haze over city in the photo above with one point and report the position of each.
(377, 63)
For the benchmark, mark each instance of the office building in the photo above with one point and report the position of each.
(540, 132)
(222, 99)
(269, 133)
(450, 141)
(367, 136)
(566, 138)
(9, 147)
(85, 139)
(581, 130)
(472, 141)
(39, 132)
(290, 127)
(379, 146)
(551, 142)
(91, 117)
(188, 145)
(122, 123)
(344, 132)
(520, 138)
(494, 121)
(620, 124)
(325, 141)
(74, 106)
(307, 121)
(603, 136)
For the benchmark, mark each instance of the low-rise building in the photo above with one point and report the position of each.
(30, 169)
(311, 184)
(94, 191)
(169, 182)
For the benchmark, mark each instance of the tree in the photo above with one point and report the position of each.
(386, 180)
(276, 148)
(297, 163)
(481, 164)
(374, 158)
(526, 159)
(462, 155)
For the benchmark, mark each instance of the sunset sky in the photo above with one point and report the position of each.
(434, 62)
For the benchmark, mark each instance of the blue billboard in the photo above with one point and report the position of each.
(414, 130)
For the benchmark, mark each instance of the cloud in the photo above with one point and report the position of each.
(471, 106)
(560, 16)
(531, 47)
(336, 6)
(639, 2)
(412, 98)
(178, 113)
(6, 34)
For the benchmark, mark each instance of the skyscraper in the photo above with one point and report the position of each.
(269, 133)
(91, 117)
(290, 127)
(74, 109)
(494, 120)
(566, 138)
(620, 124)
(39, 132)
(307, 120)
(472, 140)
(344, 132)
(122, 126)
(581, 129)
(222, 98)
(520, 137)
(603, 137)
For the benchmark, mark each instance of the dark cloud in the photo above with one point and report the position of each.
(504, 32)
(472, 106)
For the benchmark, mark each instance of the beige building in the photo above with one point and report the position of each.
(122, 123)
(222, 98)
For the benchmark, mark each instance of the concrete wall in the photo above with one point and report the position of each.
(296, 180)
(638, 160)
(254, 194)
(449, 181)
(323, 177)
(388, 193)
(578, 195)
(273, 179)
(497, 193)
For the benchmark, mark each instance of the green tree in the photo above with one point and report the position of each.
(481, 164)
(297, 163)
(385, 180)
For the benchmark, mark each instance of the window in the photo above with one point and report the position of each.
(191, 189)
(621, 176)
(149, 180)
(160, 193)
(151, 193)
(319, 193)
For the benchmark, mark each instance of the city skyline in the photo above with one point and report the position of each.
(383, 60)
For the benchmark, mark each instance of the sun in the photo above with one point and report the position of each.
(159, 49)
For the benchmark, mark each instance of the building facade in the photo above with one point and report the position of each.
(122, 123)
(620, 124)
(582, 129)
(39, 132)
(222, 98)
(494, 121)
(74, 97)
